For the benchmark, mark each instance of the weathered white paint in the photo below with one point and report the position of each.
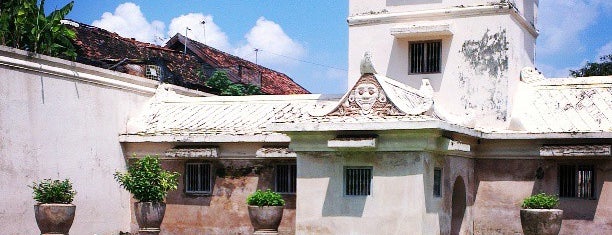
(60, 119)
(575, 150)
(466, 86)
(352, 143)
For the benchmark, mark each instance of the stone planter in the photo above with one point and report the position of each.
(266, 219)
(541, 221)
(54, 218)
(149, 216)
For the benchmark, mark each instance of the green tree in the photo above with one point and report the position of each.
(601, 68)
(221, 82)
(24, 25)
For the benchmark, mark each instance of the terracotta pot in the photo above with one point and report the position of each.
(54, 218)
(541, 221)
(149, 216)
(265, 219)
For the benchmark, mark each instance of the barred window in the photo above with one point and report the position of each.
(198, 178)
(437, 185)
(286, 176)
(425, 57)
(358, 181)
(577, 181)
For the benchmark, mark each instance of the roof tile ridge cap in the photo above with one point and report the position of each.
(593, 80)
(426, 102)
(390, 81)
(249, 63)
(102, 31)
(240, 58)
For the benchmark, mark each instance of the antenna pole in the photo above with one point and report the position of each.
(185, 50)
(256, 52)
(204, 26)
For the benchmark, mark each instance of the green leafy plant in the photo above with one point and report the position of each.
(540, 201)
(53, 191)
(220, 81)
(265, 198)
(24, 25)
(601, 68)
(147, 181)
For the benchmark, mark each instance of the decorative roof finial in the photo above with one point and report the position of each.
(366, 64)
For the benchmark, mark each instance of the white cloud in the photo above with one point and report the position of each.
(128, 21)
(274, 43)
(604, 50)
(277, 48)
(562, 21)
(212, 36)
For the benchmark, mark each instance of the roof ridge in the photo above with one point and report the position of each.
(115, 34)
(257, 66)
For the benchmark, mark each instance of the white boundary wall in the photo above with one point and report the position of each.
(60, 119)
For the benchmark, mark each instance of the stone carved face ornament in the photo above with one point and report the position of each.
(365, 96)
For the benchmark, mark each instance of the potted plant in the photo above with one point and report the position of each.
(149, 184)
(265, 211)
(538, 215)
(54, 212)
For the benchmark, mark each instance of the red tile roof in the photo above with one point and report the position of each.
(241, 70)
(101, 48)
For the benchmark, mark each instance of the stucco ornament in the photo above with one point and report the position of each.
(531, 75)
(366, 65)
(365, 96)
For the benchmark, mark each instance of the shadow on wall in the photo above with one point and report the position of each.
(410, 2)
(458, 205)
(399, 60)
(524, 171)
(388, 165)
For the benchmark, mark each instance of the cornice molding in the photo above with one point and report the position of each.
(469, 11)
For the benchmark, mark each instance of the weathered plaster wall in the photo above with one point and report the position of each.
(61, 127)
(237, 174)
(501, 186)
(225, 210)
(401, 201)
(484, 55)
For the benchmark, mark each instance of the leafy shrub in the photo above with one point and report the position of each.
(220, 81)
(540, 201)
(24, 25)
(147, 181)
(265, 198)
(53, 191)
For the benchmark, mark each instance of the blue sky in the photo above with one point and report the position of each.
(308, 40)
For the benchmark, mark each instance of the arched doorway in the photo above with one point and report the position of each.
(458, 205)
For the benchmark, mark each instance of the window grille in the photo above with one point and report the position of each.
(286, 176)
(577, 181)
(198, 178)
(425, 57)
(152, 72)
(437, 186)
(358, 181)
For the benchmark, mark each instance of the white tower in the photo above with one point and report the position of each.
(472, 53)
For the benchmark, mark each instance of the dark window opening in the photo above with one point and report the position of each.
(577, 181)
(437, 186)
(425, 57)
(358, 181)
(286, 176)
(198, 178)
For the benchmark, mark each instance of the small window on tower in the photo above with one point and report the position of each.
(425, 57)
